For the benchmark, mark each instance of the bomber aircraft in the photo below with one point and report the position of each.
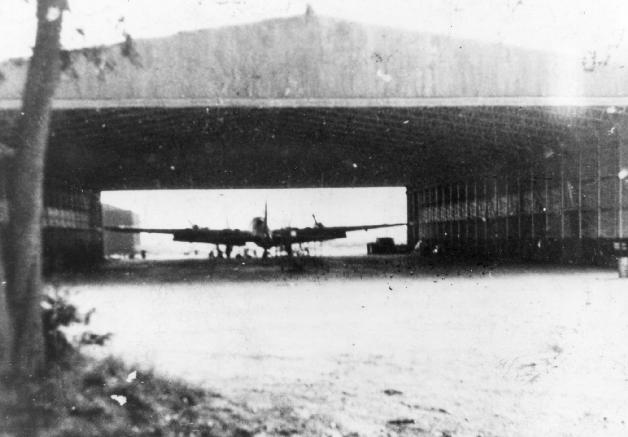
(260, 234)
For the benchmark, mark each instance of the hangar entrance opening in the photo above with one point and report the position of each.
(534, 182)
(236, 208)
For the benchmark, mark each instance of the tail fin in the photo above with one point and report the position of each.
(266, 228)
(266, 214)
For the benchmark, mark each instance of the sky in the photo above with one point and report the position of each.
(574, 26)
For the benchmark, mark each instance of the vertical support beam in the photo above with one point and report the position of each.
(520, 210)
(425, 230)
(485, 215)
(425, 208)
(451, 214)
(429, 213)
(620, 209)
(433, 213)
(598, 185)
(466, 211)
(417, 214)
(496, 207)
(477, 206)
(532, 229)
(562, 196)
(437, 213)
(506, 190)
(579, 189)
(546, 207)
(458, 212)
(444, 217)
(495, 235)
(417, 225)
(418, 209)
(409, 211)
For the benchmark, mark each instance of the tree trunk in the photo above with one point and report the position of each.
(6, 327)
(23, 260)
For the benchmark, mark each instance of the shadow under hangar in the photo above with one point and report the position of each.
(503, 150)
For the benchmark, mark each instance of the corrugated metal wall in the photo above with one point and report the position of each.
(565, 204)
(72, 235)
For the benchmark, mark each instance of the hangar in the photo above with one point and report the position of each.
(503, 150)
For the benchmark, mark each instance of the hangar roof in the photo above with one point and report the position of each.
(309, 101)
(308, 60)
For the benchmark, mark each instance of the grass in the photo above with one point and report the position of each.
(86, 398)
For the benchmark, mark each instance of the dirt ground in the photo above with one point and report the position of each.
(380, 346)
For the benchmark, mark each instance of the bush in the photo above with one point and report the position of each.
(58, 313)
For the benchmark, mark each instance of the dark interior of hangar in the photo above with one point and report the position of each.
(474, 174)
(303, 147)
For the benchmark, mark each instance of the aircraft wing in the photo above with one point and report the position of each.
(129, 230)
(322, 233)
(363, 227)
(230, 237)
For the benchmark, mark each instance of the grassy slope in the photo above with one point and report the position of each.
(77, 401)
